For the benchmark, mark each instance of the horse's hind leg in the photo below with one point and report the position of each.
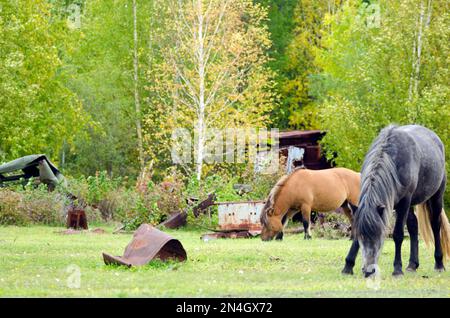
(411, 224)
(435, 205)
(349, 209)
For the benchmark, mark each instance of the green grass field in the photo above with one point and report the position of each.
(36, 261)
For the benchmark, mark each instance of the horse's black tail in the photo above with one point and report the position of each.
(426, 232)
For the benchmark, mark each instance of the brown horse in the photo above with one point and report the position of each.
(309, 190)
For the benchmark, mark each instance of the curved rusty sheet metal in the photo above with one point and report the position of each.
(175, 220)
(148, 243)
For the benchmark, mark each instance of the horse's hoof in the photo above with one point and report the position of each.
(439, 269)
(397, 273)
(347, 271)
(412, 268)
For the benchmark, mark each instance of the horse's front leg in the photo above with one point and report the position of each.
(284, 220)
(402, 212)
(411, 224)
(351, 257)
(306, 215)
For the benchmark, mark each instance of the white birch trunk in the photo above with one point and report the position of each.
(136, 88)
(200, 36)
(417, 49)
(201, 94)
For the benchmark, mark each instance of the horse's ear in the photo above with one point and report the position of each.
(380, 210)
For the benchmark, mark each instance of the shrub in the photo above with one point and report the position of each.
(162, 199)
(32, 206)
(100, 191)
(10, 214)
(335, 226)
(43, 207)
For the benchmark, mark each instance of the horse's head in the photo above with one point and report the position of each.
(271, 223)
(369, 230)
(273, 212)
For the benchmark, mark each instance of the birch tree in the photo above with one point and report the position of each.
(217, 64)
(372, 78)
(423, 23)
(137, 101)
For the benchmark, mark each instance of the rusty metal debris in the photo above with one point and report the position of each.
(69, 232)
(175, 220)
(204, 205)
(76, 218)
(240, 215)
(98, 231)
(32, 166)
(73, 231)
(228, 234)
(237, 220)
(147, 244)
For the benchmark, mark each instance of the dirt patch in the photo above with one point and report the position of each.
(72, 231)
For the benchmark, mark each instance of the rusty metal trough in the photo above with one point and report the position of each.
(147, 244)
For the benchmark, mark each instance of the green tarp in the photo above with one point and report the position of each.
(37, 166)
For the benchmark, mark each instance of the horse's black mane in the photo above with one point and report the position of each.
(379, 183)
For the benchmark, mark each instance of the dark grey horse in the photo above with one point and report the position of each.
(405, 166)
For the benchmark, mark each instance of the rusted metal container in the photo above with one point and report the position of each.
(148, 243)
(240, 215)
(76, 218)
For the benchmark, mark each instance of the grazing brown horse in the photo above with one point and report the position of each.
(309, 190)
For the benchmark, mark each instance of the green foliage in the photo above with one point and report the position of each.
(301, 66)
(67, 90)
(99, 68)
(38, 112)
(369, 74)
(296, 28)
(99, 185)
(281, 25)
